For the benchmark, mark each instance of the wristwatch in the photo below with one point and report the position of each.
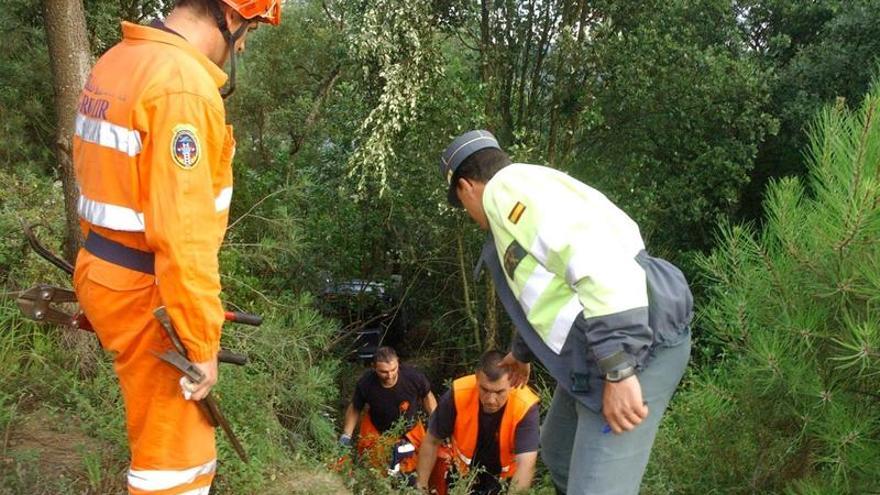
(620, 375)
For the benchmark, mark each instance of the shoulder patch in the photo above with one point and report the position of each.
(512, 257)
(185, 147)
(516, 213)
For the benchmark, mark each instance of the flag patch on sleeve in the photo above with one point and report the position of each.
(516, 213)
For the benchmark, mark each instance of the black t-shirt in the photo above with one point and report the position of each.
(526, 437)
(387, 405)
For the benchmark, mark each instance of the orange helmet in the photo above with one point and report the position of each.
(268, 11)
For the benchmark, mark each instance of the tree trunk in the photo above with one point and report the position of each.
(524, 66)
(487, 56)
(491, 316)
(535, 86)
(466, 290)
(71, 61)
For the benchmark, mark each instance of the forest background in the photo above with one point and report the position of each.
(741, 135)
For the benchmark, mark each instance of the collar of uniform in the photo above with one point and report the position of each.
(137, 32)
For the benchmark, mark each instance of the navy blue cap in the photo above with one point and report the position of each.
(457, 152)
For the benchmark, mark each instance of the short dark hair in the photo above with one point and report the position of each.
(490, 365)
(480, 166)
(385, 354)
(202, 7)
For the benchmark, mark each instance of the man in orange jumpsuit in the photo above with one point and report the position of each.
(153, 160)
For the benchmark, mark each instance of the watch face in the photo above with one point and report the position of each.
(616, 376)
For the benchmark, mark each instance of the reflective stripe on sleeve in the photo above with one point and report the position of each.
(222, 201)
(562, 326)
(465, 459)
(108, 135)
(535, 286)
(110, 216)
(153, 480)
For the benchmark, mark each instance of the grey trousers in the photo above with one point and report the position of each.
(585, 459)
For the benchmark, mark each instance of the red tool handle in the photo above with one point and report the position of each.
(80, 321)
(245, 318)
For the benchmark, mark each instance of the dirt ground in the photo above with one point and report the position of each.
(42, 454)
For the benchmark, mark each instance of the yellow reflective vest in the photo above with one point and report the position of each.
(589, 297)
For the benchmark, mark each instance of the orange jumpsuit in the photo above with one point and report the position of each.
(153, 161)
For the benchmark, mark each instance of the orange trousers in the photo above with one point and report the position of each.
(172, 444)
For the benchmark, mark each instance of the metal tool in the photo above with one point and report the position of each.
(179, 359)
(49, 304)
(44, 303)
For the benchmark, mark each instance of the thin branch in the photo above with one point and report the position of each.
(255, 205)
(266, 298)
(855, 225)
(465, 43)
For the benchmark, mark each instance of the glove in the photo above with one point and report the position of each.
(345, 440)
(186, 387)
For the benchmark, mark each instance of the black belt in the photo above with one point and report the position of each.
(120, 254)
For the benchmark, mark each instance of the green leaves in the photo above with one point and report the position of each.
(793, 311)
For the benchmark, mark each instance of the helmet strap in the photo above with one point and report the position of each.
(230, 38)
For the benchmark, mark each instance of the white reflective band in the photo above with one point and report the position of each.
(110, 216)
(406, 448)
(221, 202)
(545, 242)
(198, 491)
(153, 480)
(562, 326)
(505, 469)
(108, 135)
(535, 286)
(447, 162)
(465, 459)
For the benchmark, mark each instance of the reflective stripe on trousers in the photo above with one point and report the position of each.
(154, 480)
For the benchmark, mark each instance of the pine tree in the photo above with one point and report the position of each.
(792, 403)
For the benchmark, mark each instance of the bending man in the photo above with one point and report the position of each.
(492, 427)
(608, 321)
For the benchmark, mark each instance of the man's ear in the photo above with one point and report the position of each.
(463, 186)
(233, 18)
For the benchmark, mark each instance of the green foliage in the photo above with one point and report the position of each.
(792, 403)
(27, 118)
(675, 118)
(815, 52)
(397, 40)
(277, 404)
(670, 108)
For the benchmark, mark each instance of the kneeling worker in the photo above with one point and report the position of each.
(386, 394)
(491, 426)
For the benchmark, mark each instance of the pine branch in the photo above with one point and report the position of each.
(854, 226)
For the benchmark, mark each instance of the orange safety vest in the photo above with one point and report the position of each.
(466, 393)
(153, 162)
